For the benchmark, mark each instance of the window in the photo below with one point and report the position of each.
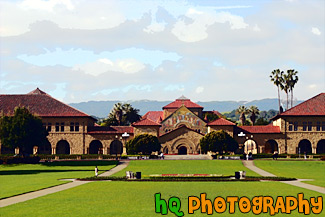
(62, 127)
(76, 127)
(304, 126)
(310, 125)
(295, 126)
(49, 127)
(57, 127)
(323, 125)
(318, 126)
(290, 126)
(71, 126)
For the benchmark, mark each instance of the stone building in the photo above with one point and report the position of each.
(179, 127)
(70, 130)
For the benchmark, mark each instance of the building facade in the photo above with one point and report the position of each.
(179, 127)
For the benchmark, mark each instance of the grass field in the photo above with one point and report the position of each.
(21, 178)
(297, 169)
(123, 199)
(221, 167)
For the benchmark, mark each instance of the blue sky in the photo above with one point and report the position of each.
(159, 50)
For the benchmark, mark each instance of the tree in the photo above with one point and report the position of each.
(144, 144)
(292, 81)
(218, 141)
(261, 121)
(254, 111)
(122, 115)
(242, 110)
(286, 87)
(22, 130)
(277, 79)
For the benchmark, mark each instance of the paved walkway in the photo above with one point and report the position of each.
(74, 183)
(298, 183)
(188, 157)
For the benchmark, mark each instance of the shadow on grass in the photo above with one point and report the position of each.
(33, 172)
(80, 163)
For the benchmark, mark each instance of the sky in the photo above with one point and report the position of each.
(78, 50)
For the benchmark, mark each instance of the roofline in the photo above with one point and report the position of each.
(180, 128)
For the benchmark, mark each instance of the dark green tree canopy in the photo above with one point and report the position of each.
(122, 115)
(218, 141)
(22, 130)
(144, 144)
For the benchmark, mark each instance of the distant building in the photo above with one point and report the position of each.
(179, 127)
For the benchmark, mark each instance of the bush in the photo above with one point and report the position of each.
(143, 143)
(19, 160)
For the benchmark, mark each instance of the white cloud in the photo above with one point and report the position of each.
(127, 66)
(155, 27)
(316, 31)
(46, 5)
(199, 89)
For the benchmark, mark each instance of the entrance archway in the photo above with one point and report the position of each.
(116, 147)
(271, 146)
(95, 147)
(320, 147)
(182, 150)
(6, 150)
(46, 148)
(250, 146)
(304, 146)
(62, 147)
(165, 150)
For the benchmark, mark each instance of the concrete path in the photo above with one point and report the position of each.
(298, 183)
(74, 183)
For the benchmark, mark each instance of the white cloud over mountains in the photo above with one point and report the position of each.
(215, 50)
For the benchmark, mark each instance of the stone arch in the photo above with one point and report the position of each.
(320, 147)
(165, 149)
(116, 147)
(62, 147)
(250, 146)
(95, 147)
(181, 124)
(183, 142)
(271, 146)
(46, 148)
(304, 146)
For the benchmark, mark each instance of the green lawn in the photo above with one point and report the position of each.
(297, 169)
(221, 167)
(137, 198)
(22, 178)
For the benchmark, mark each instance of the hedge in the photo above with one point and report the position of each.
(19, 160)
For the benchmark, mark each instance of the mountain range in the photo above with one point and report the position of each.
(101, 109)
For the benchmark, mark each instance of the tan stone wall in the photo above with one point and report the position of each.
(228, 129)
(181, 137)
(153, 130)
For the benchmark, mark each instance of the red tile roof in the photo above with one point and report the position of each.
(182, 126)
(182, 101)
(39, 103)
(110, 130)
(156, 116)
(261, 129)
(221, 122)
(145, 122)
(312, 107)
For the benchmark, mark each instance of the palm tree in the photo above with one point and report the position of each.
(117, 112)
(122, 115)
(277, 79)
(242, 110)
(293, 80)
(286, 87)
(254, 111)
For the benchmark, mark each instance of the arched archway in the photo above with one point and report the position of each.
(271, 146)
(182, 150)
(116, 147)
(6, 150)
(95, 147)
(304, 147)
(46, 148)
(62, 147)
(320, 147)
(250, 146)
(165, 150)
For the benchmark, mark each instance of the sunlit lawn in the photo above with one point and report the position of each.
(221, 167)
(297, 169)
(22, 178)
(123, 199)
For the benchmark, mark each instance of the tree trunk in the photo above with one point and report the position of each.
(279, 99)
(287, 100)
(291, 97)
